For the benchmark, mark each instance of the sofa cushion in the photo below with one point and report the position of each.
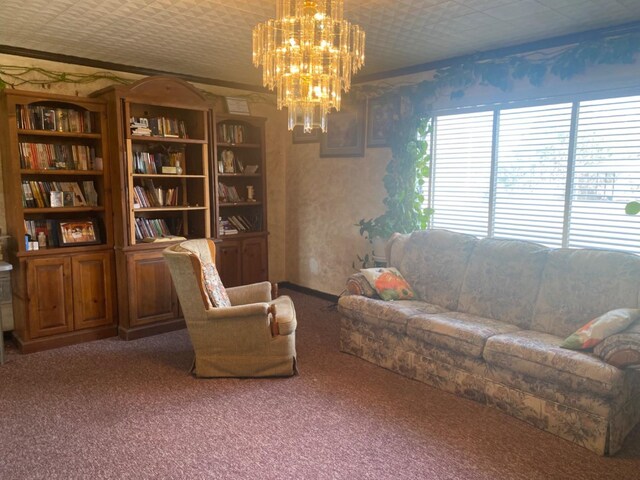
(539, 355)
(392, 315)
(581, 284)
(502, 280)
(434, 263)
(457, 331)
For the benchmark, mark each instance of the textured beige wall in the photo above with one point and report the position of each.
(325, 198)
(276, 147)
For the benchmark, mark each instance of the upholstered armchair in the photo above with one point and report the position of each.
(254, 337)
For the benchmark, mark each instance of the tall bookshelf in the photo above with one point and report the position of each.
(58, 211)
(240, 186)
(161, 128)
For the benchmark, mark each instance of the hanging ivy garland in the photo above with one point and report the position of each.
(13, 76)
(410, 160)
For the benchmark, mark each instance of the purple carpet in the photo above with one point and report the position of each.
(130, 410)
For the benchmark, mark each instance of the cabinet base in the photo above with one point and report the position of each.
(133, 333)
(65, 339)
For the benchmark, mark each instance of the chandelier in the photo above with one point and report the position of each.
(308, 54)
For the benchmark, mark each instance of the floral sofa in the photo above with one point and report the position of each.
(488, 325)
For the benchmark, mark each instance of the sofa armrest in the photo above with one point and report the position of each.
(357, 284)
(621, 349)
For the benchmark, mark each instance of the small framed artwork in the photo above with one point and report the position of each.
(78, 232)
(68, 199)
(300, 136)
(345, 133)
(382, 113)
(237, 106)
(56, 199)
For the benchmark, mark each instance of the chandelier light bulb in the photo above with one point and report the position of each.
(308, 54)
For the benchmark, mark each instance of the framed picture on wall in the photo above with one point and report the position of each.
(299, 136)
(382, 112)
(345, 132)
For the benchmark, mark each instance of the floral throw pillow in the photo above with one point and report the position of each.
(592, 333)
(215, 288)
(389, 283)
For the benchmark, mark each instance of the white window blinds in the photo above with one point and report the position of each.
(607, 175)
(556, 174)
(461, 172)
(532, 173)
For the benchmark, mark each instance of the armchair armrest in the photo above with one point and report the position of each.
(253, 309)
(246, 294)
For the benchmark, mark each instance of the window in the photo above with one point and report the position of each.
(556, 174)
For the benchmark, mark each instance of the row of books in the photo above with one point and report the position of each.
(228, 194)
(38, 117)
(146, 162)
(46, 156)
(36, 194)
(147, 228)
(148, 197)
(234, 224)
(232, 133)
(158, 127)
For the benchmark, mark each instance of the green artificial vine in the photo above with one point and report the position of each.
(12, 76)
(410, 161)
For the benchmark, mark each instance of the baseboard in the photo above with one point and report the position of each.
(309, 291)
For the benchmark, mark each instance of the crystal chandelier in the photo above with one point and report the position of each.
(308, 54)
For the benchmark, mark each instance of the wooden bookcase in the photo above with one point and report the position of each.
(171, 155)
(241, 221)
(63, 291)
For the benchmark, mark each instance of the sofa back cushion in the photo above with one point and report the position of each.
(434, 263)
(503, 279)
(581, 284)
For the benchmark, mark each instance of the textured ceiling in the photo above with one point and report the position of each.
(212, 38)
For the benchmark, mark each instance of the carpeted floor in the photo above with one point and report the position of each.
(129, 410)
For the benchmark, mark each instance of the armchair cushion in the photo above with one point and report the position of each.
(217, 293)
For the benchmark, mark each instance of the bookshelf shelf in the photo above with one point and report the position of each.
(231, 175)
(240, 145)
(166, 175)
(49, 133)
(240, 204)
(49, 210)
(170, 209)
(89, 173)
(152, 139)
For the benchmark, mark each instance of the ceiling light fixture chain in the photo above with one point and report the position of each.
(308, 54)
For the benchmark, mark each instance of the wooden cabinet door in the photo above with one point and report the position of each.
(152, 297)
(50, 296)
(229, 263)
(92, 290)
(254, 260)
